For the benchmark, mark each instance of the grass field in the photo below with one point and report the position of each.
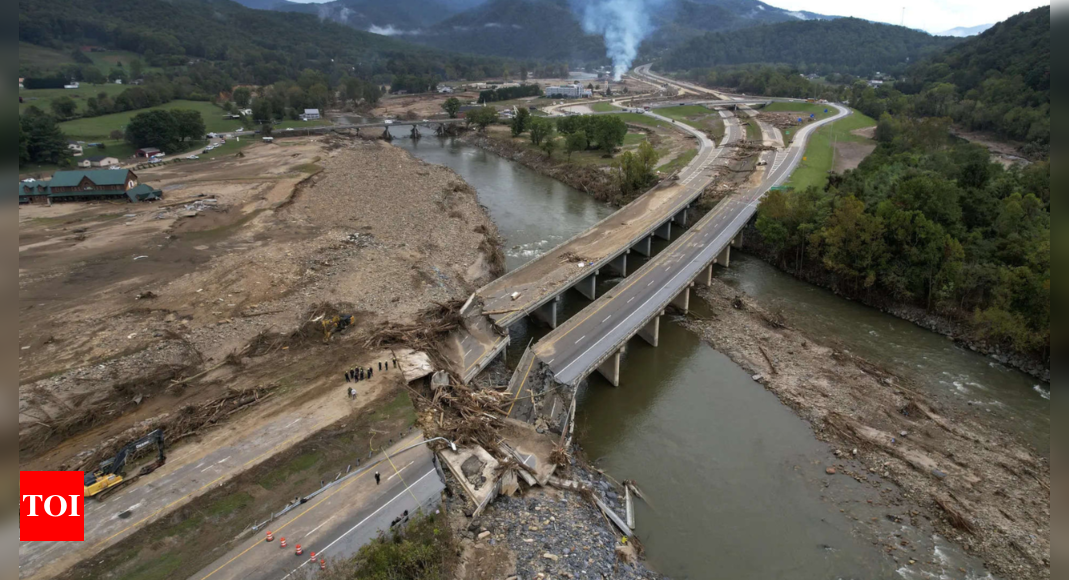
(753, 131)
(604, 107)
(819, 157)
(644, 120)
(699, 117)
(803, 109)
(101, 127)
(42, 98)
(679, 162)
(31, 55)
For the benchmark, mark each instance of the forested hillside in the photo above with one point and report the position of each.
(998, 82)
(842, 45)
(248, 46)
(930, 222)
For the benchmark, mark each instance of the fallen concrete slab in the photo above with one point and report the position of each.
(475, 469)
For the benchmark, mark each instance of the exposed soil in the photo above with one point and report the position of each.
(849, 155)
(976, 485)
(129, 312)
(418, 106)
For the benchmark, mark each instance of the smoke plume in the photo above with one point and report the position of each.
(623, 23)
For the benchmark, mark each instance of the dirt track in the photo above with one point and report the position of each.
(119, 302)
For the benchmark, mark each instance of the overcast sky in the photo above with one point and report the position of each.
(930, 15)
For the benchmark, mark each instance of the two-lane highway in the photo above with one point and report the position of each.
(579, 345)
(338, 522)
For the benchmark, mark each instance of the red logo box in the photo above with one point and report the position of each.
(51, 506)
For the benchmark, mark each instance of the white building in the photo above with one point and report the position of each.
(73, 85)
(75, 148)
(568, 92)
(310, 115)
(445, 90)
(98, 161)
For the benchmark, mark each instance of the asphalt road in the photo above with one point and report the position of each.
(340, 521)
(578, 346)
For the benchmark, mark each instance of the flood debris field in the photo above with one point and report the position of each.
(976, 486)
(206, 309)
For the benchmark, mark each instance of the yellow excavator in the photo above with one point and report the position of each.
(111, 475)
(337, 323)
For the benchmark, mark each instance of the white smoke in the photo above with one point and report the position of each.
(387, 30)
(623, 23)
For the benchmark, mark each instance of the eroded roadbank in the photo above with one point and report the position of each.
(970, 482)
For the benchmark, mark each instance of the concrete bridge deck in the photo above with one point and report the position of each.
(535, 288)
(596, 338)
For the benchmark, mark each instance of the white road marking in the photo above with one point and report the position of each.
(606, 319)
(629, 300)
(317, 527)
(398, 472)
(580, 339)
(362, 522)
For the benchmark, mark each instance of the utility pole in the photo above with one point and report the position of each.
(903, 23)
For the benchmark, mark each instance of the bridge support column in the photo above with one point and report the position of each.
(651, 333)
(610, 369)
(547, 313)
(665, 231)
(645, 247)
(681, 217)
(618, 265)
(737, 242)
(705, 278)
(682, 302)
(588, 286)
(724, 259)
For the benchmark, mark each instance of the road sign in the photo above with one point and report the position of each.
(825, 110)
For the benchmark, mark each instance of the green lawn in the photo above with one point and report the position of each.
(701, 118)
(42, 98)
(604, 107)
(753, 130)
(101, 127)
(818, 159)
(678, 163)
(803, 109)
(31, 55)
(644, 120)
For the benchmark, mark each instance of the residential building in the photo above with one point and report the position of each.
(310, 115)
(72, 85)
(75, 148)
(92, 185)
(445, 90)
(147, 152)
(98, 161)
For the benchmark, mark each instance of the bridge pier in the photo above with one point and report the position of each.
(651, 333)
(682, 302)
(681, 217)
(724, 259)
(610, 369)
(547, 313)
(644, 247)
(737, 242)
(665, 231)
(618, 264)
(706, 276)
(588, 286)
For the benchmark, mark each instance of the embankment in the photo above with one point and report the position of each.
(976, 485)
(953, 325)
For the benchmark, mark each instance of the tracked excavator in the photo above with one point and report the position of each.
(111, 475)
(333, 324)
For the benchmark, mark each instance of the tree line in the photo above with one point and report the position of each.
(509, 93)
(930, 221)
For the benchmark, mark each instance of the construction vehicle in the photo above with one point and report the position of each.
(337, 323)
(111, 475)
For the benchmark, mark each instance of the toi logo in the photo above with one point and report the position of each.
(51, 506)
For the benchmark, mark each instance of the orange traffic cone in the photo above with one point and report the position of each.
(313, 556)
(300, 551)
(282, 543)
(270, 537)
(322, 564)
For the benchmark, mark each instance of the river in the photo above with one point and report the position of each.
(735, 479)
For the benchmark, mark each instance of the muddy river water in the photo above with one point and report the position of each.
(735, 479)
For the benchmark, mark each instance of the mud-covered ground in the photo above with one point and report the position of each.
(975, 485)
(129, 313)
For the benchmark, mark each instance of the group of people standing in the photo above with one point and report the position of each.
(355, 375)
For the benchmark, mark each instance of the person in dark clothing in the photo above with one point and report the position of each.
(394, 363)
(347, 376)
(380, 366)
(370, 372)
(378, 478)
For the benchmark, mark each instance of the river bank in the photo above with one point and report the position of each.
(956, 330)
(975, 484)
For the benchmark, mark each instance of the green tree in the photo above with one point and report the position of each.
(93, 76)
(481, 117)
(190, 124)
(548, 146)
(117, 74)
(451, 106)
(44, 141)
(64, 107)
(242, 97)
(156, 128)
(634, 171)
(541, 129)
(575, 142)
(137, 69)
(24, 147)
(609, 132)
(520, 122)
